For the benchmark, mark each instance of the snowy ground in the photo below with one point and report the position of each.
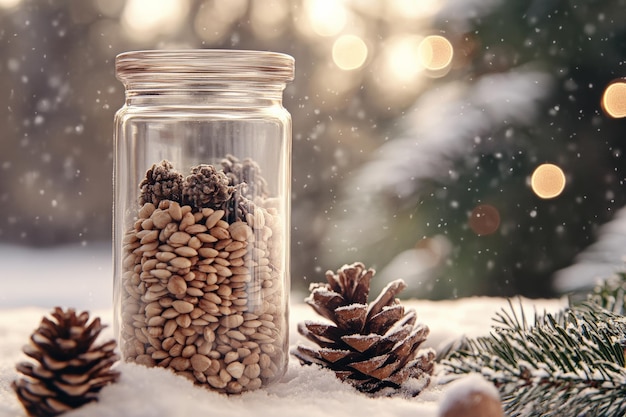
(36, 280)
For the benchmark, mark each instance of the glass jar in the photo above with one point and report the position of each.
(201, 214)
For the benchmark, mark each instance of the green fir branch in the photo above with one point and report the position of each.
(567, 364)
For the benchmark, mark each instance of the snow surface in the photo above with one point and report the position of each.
(80, 277)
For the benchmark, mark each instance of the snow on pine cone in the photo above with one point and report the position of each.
(371, 346)
(69, 370)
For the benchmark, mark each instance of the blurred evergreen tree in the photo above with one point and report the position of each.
(580, 45)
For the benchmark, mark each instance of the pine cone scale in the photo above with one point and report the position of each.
(386, 297)
(27, 369)
(405, 347)
(308, 355)
(333, 355)
(92, 356)
(351, 317)
(319, 333)
(361, 342)
(36, 389)
(73, 390)
(75, 379)
(409, 319)
(395, 335)
(386, 371)
(343, 375)
(325, 302)
(53, 364)
(400, 376)
(66, 344)
(370, 366)
(57, 407)
(384, 320)
(40, 339)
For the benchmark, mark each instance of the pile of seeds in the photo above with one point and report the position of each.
(204, 293)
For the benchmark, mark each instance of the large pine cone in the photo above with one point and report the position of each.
(70, 370)
(372, 346)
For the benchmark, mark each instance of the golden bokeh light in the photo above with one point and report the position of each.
(484, 219)
(435, 53)
(349, 52)
(8, 4)
(327, 17)
(614, 99)
(402, 63)
(547, 181)
(145, 19)
(397, 74)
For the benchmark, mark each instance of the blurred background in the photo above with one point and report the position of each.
(470, 147)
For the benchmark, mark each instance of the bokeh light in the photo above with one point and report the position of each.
(145, 19)
(7, 4)
(547, 181)
(327, 17)
(435, 53)
(396, 71)
(349, 52)
(484, 219)
(402, 61)
(614, 99)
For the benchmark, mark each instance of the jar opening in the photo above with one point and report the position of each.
(205, 64)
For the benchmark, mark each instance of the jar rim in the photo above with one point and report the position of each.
(205, 63)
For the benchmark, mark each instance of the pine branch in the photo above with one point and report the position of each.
(611, 293)
(568, 364)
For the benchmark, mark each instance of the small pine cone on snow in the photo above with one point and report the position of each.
(162, 182)
(206, 187)
(371, 346)
(69, 370)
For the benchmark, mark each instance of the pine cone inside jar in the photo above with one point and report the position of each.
(371, 346)
(245, 172)
(161, 182)
(69, 370)
(206, 187)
